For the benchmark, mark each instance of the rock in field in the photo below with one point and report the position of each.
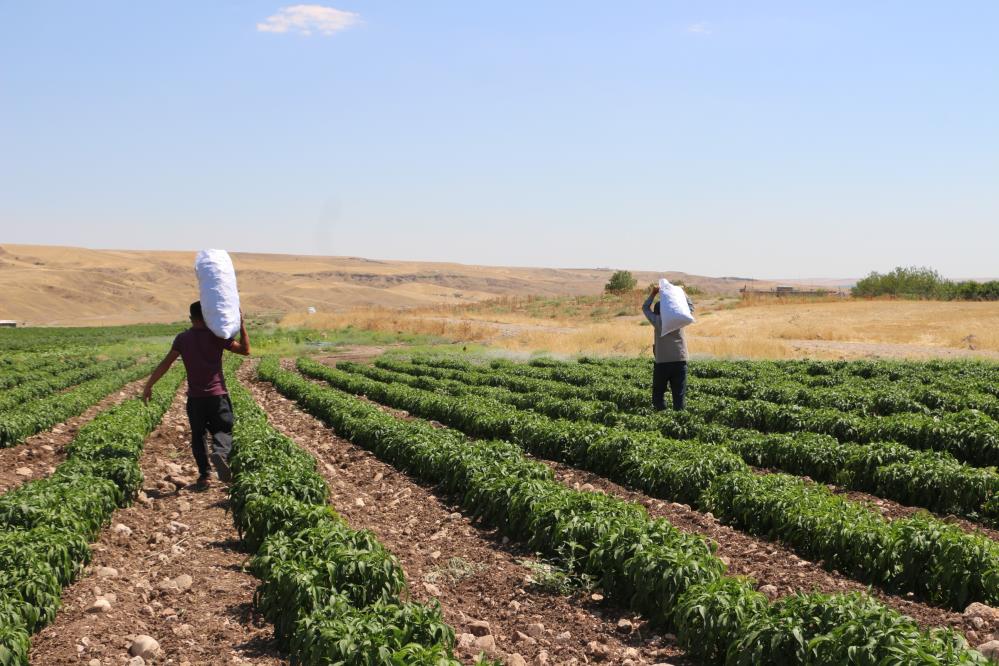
(990, 650)
(183, 582)
(987, 613)
(144, 646)
(107, 572)
(479, 628)
(99, 606)
(23, 471)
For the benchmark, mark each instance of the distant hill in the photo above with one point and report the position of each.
(55, 285)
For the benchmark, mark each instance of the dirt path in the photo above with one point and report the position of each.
(474, 574)
(168, 533)
(38, 455)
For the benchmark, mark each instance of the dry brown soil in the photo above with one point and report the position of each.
(169, 532)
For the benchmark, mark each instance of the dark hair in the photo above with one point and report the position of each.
(196, 311)
(655, 308)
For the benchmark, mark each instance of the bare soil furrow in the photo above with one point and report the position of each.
(38, 455)
(475, 575)
(139, 567)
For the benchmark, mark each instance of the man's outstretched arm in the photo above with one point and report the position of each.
(241, 346)
(160, 370)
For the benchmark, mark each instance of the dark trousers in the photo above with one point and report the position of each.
(673, 373)
(213, 414)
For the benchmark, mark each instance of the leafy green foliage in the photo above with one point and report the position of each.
(39, 414)
(848, 536)
(620, 282)
(334, 594)
(672, 577)
(45, 525)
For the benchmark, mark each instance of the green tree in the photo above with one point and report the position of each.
(620, 282)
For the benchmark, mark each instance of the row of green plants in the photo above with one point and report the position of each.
(936, 561)
(937, 385)
(335, 595)
(18, 369)
(46, 525)
(55, 408)
(927, 393)
(979, 374)
(970, 436)
(46, 338)
(933, 480)
(47, 383)
(672, 577)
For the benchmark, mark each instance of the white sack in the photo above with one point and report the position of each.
(674, 310)
(219, 296)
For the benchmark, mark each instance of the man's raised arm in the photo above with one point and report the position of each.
(241, 346)
(647, 306)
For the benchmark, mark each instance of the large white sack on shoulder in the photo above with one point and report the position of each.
(219, 296)
(674, 310)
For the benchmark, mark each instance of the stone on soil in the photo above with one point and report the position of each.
(183, 582)
(144, 646)
(515, 660)
(990, 650)
(479, 628)
(99, 606)
(23, 471)
(107, 572)
(485, 643)
(536, 630)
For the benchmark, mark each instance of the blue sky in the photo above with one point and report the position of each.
(767, 139)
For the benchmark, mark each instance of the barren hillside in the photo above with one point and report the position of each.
(75, 286)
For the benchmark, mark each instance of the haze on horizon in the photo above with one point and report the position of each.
(778, 140)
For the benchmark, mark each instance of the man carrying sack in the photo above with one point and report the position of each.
(208, 405)
(669, 345)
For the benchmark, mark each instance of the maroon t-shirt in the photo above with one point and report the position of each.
(202, 354)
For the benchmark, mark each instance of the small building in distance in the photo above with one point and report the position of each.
(784, 290)
(8, 323)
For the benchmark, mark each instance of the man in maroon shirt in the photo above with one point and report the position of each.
(208, 405)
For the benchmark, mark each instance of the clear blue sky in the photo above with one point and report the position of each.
(769, 139)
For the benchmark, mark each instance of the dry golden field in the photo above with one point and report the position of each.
(843, 328)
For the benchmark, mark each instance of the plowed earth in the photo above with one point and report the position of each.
(169, 532)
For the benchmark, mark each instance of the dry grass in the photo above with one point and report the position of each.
(393, 321)
(768, 330)
(924, 323)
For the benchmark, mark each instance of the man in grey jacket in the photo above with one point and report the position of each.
(670, 352)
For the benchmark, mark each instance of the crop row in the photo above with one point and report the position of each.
(672, 577)
(935, 373)
(57, 407)
(28, 367)
(47, 338)
(50, 383)
(968, 435)
(936, 561)
(335, 595)
(880, 397)
(46, 525)
(931, 479)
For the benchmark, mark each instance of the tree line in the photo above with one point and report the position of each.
(924, 282)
